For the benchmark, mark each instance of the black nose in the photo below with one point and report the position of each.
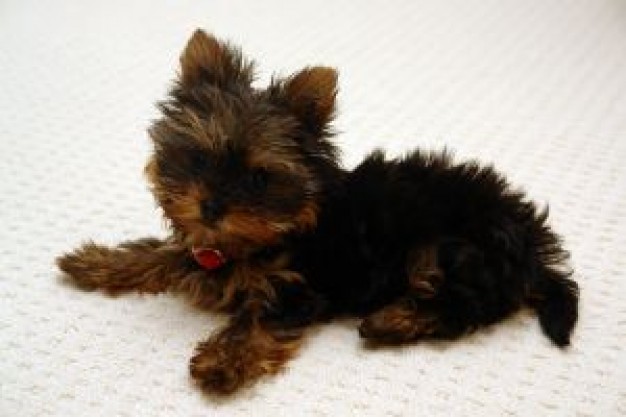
(211, 210)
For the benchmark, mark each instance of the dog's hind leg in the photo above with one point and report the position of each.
(423, 271)
(405, 320)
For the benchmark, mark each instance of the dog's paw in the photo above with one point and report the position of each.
(398, 323)
(239, 355)
(88, 267)
(215, 373)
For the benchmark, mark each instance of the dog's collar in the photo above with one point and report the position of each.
(209, 258)
(212, 259)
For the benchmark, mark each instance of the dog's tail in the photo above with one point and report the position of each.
(557, 306)
(552, 293)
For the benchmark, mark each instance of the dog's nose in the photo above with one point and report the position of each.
(211, 210)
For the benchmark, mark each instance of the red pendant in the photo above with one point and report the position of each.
(209, 258)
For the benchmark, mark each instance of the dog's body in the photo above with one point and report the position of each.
(269, 228)
(453, 236)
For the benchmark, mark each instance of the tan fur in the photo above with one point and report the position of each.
(152, 266)
(307, 216)
(317, 86)
(183, 205)
(241, 352)
(146, 265)
(225, 61)
(398, 322)
(249, 227)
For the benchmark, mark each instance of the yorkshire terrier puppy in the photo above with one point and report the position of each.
(267, 227)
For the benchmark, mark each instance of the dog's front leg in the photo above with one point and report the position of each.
(145, 265)
(243, 351)
(264, 334)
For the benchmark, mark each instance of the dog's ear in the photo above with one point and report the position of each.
(207, 60)
(310, 94)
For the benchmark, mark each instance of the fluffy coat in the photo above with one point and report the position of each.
(419, 247)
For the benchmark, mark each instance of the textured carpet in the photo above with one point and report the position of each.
(536, 87)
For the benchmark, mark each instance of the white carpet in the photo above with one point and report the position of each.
(536, 87)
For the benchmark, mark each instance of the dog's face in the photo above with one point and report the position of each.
(237, 168)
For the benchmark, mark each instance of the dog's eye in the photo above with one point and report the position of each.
(199, 163)
(257, 180)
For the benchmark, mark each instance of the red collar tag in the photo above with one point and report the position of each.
(209, 258)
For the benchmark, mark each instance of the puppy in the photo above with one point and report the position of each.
(269, 228)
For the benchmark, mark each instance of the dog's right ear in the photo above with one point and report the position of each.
(207, 60)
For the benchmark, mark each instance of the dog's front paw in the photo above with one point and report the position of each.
(89, 267)
(240, 354)
(216, 370)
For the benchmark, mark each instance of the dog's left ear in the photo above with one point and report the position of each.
(208, 60)
(310, 94)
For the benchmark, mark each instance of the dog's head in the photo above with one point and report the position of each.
(238, 168)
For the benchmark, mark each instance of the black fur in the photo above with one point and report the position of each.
(494, 247)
